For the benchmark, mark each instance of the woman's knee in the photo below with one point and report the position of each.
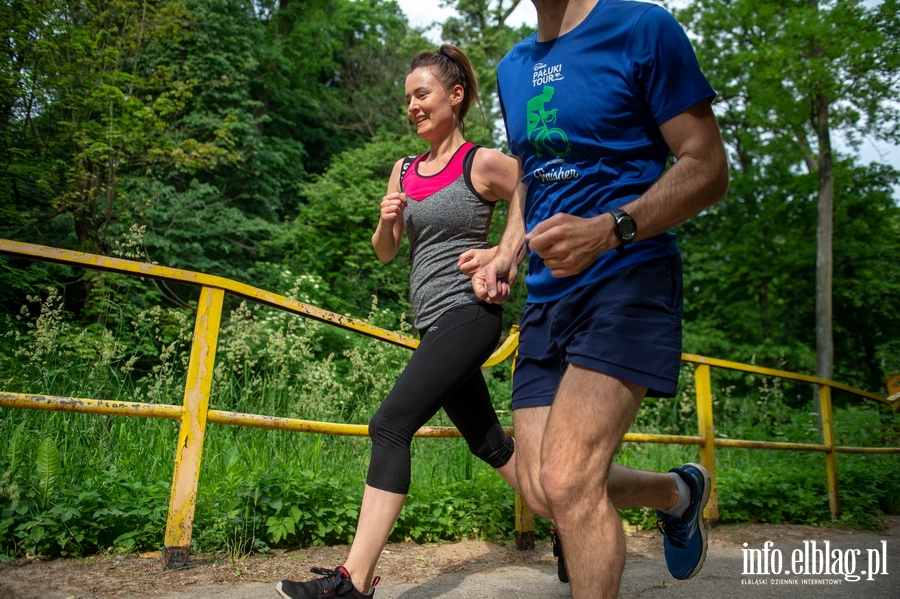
(387, 432)
(495, 447)
(374, 423)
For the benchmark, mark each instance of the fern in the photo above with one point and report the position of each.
(49, 470)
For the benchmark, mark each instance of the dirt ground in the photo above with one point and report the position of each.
(113, 576)
(108, 576)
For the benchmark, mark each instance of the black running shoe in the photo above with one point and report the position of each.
(558, 554)
(336, 583)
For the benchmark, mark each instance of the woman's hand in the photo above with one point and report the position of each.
(392, 206)
(493, 282)
(389, 232)
(471, 261)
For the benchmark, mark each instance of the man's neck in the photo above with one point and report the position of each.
(558, 17)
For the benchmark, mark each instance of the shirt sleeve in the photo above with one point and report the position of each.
(666, 73)
(512, 146)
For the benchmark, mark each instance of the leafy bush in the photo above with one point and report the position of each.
(763, 493)
(109, 511)
(791, 488)
(77, 484)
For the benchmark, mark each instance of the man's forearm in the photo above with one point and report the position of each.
(685, 190)
(697, 180)
(512, 243)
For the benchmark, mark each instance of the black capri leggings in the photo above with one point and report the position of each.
(444, 372)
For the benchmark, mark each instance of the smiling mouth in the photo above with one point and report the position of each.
(420, 119)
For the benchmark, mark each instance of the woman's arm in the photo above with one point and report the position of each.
(389, 232)
(494, 174)
(472, 260)
(494, 177)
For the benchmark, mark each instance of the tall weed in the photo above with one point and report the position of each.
(79, 484)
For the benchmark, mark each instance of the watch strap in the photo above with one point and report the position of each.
(619, 215)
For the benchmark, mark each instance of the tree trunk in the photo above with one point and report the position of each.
(824, 231)
(824, 260)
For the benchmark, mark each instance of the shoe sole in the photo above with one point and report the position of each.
(280, 592)
(704, 499)
(556, 544)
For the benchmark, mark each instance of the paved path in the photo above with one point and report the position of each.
(489, 571)
(646, 576)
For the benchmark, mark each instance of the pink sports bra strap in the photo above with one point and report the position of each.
(418, 187)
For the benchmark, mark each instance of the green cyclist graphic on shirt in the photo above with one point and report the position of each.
(552, 140)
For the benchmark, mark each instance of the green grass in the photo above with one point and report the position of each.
(81, 484)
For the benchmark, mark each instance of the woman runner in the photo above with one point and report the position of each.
(443, 200)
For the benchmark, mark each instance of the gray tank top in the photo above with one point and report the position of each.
(451, 219)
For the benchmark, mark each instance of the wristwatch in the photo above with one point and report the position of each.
(626, 228)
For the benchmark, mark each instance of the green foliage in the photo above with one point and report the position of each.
(791, 489)
(292, 508)
(105, 511)
(103, 484)
(748, 293)
(48, 470)
(797, 50)
(868, 490)
(791, 76)
(479, 509)
(196, 120)
(335, 73)
(331, 234)
(257, 490)
(777, 495)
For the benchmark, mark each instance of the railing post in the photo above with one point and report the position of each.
(193, 427)
(524, 515)
(524, 524)
(893, 391)
(703, 383)
(831, 471)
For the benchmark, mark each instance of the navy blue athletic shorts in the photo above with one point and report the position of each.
(627, 325)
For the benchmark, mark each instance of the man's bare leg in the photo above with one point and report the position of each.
(626, 487)
(570, 471)
(529, 425)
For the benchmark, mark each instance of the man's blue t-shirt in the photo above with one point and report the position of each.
(582, 112)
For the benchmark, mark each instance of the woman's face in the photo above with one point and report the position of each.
(429, 106)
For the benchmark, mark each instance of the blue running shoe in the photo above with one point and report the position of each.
(685, 537)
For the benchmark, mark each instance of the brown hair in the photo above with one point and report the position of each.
(451, 67)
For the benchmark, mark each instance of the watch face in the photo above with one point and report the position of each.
(626, 228)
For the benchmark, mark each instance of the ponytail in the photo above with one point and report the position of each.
(451, 67)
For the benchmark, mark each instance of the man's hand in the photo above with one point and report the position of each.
(493, 281)
(471, 261)
(569, 244)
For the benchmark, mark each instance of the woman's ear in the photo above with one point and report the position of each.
(457, 95)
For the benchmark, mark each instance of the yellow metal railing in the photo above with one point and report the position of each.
(703, 382)
(195, 414)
